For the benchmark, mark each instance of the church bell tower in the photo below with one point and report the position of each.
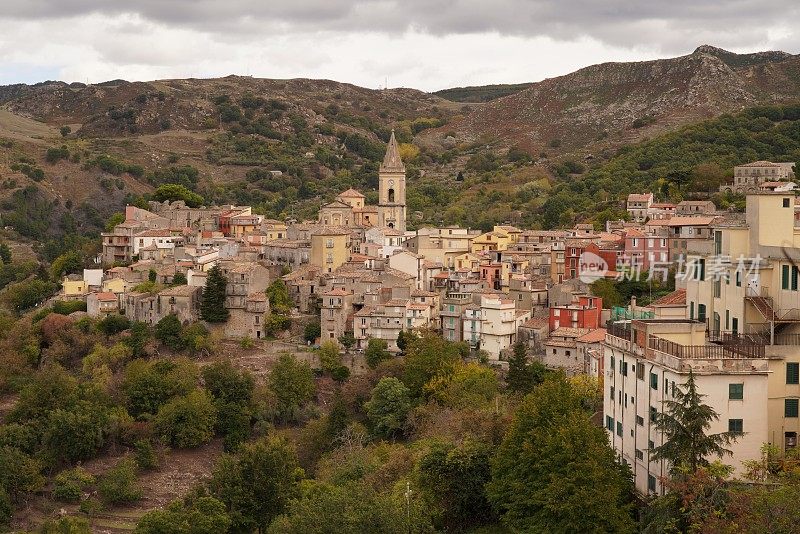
(392, 189)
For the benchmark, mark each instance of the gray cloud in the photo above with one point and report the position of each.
(675, 25)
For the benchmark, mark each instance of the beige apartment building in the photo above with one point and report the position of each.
(646, 360)
(741, 340)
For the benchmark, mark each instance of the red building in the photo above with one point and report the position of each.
(583, 314)
(611, 253)
(642, 251)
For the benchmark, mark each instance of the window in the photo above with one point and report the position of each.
(785, 202)
(651, 483)
(794, 278)
(640, 372)
(609, 423)
(717, 242)
(639, 455)
(701, 312)
(784, 277)
(650, 445)
(691, 311)
(734, 325)
(738, 278)
(640, 420)
(612, 393)
(653, 381)
(790, 407)
(735, 425)
(623, 368)
(735, 391)
(619, 429)
(653, 414)
(792, 373)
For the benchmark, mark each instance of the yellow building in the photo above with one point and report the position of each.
(244, 224)
(115, 285)
(274, 229)
(74, 289)
(500, 238)
(329, 249)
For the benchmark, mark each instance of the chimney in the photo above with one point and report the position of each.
(633, 304)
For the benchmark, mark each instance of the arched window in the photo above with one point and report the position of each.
(391, 195)
(391, 225)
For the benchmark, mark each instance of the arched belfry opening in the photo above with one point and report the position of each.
(391, 194)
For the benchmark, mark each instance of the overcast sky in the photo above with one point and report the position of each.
(426, 44)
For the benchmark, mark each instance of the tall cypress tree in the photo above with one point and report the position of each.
(212, 308)
(684, 423)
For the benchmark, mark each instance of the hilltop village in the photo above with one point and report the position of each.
(362, 275)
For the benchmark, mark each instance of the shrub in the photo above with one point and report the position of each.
(118, 485)
(69, 484)
(65, 131)
(113, 324)
(146, 457)
(187, 421)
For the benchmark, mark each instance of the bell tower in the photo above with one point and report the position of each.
(392, 189)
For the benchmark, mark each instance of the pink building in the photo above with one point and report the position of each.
(642, 251)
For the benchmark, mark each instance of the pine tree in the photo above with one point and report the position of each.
(212, 308)
(522, 376)
(684, 423)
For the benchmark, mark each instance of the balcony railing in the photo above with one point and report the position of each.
(621, 330)
(712, 351)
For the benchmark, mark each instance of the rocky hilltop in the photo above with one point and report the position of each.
(619, 103)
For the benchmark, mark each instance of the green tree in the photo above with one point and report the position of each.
(555, 472)
(25, 295)
(5, 253)
(348, 340)
(76, 432)
(350, 508)
(137, 338)
(276, 323)
(684, 423)
(168, 331)
(201, 515)
(377, 351)
(187, 421)
(173, 192)
(427, 357)
(292, 383)
(453, 478)
(113, 324)
(469, 385)
(232, 391)
(68, 263)
(329, 356)
(19, 473)
(388, 407)
(257, 483)
(148, 385)
(312, 331)
(522, 376)
(152, 276)
(179, 279)
(65, 131)
(279, 300)
(119, 484)
(212, 307)
(404, 338)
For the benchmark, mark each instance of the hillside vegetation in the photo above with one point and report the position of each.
(694, 159)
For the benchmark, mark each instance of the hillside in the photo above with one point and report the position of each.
(690, 162)
(220, 137)
(613, 104)
(72, 154)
